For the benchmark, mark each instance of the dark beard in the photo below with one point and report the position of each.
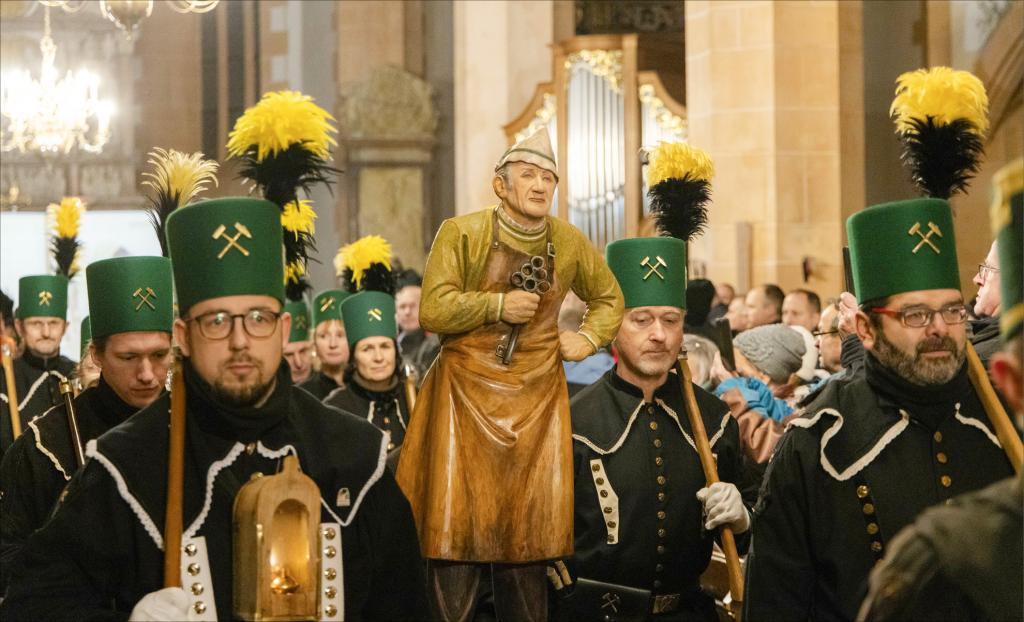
(916, 369)
(241, 398)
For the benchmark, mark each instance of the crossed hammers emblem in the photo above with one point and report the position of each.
(45, 297)
(611, 601)
(933, 229)
(653, 268)
(375, 315)
(240, 230)
(144, 298)
(326, 303)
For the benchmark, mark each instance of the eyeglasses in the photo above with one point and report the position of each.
(919, 317)
(216, 325)
(823, 333)
(985, 270)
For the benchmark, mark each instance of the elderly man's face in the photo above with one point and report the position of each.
(987, 280)
(299, 355)
(528, 192)
(830, 345)
(760, 309)
(797, 311)
(737, 315)
(407, 307)
(42, 335)
(649, 340)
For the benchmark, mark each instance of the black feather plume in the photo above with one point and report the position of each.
(64, 251)
(679, 206)
(376, 278)
(942, 159)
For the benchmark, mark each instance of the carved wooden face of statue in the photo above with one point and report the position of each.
(526, 191)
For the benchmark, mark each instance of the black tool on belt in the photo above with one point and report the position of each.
(535, 277)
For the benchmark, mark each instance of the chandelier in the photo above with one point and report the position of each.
(52, 115)
(128, 14)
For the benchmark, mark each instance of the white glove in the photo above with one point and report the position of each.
(724, 506)
(170, 604)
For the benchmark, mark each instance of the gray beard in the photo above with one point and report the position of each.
(915, 368)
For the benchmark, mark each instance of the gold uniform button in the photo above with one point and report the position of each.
(654, 425)
(937, 436)
(330, 552)
(199, 607)
(611, 539)
(391, 446)
(599, 481)
(863, 491)
(659, 568)
(661, 514)
(876, 547)
(659, 461)
(661, 533)
(872, 528)
(191, 549)
(197, 589)
(942, 458)
(595, 467)
(607, 510)
(946, 480)
(193, 569)
(657, 443)
(330, 574)
(330, 533)
(661, 480)
(661, 549)
(869, 508)
(611, 524)
(330, 610)
(330, 591)
(650, 410)
(661, 496)
(604, 493)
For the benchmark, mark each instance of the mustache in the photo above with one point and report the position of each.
(937, 344)
(243, 358)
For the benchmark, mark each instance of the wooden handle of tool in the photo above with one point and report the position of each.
(410, 391)
(175, 481)
(12, 388)
(1005, 431)
(707, 461)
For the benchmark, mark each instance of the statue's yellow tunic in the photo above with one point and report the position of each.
(487, 459)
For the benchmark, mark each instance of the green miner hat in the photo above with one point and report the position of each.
(226, 247)
(904, 246)
(650, 271)
(44, 295)
(300, 320)
(86, 336)
(130, 294)
(327, 305)
(369, 314)
(1007, 216)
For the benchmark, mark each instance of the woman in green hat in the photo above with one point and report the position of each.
(329, 344)
(373, 380)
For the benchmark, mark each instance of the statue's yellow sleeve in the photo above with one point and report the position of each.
(448, 304)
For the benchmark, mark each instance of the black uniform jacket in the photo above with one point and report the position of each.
(37, 381)
(102, 550)
(387, 410)
(637, 518)
(319, 385)
(41, 461)
(869, 455)
(960, 561)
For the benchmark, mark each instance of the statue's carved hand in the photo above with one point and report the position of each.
(574, 346)
(519, 306)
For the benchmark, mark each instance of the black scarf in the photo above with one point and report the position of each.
(246, 423)
(108, 405)
(929, 405)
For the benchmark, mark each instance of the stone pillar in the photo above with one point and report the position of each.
(764, 99)
(387, 128)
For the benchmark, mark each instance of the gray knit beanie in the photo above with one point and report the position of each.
(775, 349)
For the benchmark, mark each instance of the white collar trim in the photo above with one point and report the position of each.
(895, 430)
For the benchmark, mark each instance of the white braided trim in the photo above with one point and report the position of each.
(35, 385)
(211, 477)
(3, 396)
(46, 452)
(275, 454)
(975, 423)
(122, 489)
(369, 411)
(675, 417)
(866, 459)
(330, 395)
(398, 409)
(622, 439)
(382, 458)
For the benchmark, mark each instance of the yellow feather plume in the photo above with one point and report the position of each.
(298, 216)
(359, 255)
(675, 161)
(293, 272)
(180, 174)
(279, 120)
(941, 93)
(66, 217)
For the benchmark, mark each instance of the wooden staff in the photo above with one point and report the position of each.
(67, 393)
(6, 352)
(410, 386)
(1005, 431)
(175, 480)
(707, 461)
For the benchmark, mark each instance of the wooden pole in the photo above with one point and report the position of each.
(175, 480)
(410, 387)
(6, 351)
(707, 461)
(1004, 429)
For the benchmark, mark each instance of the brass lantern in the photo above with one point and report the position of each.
(276, 546)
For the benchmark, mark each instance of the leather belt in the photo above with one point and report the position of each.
(664, 603)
